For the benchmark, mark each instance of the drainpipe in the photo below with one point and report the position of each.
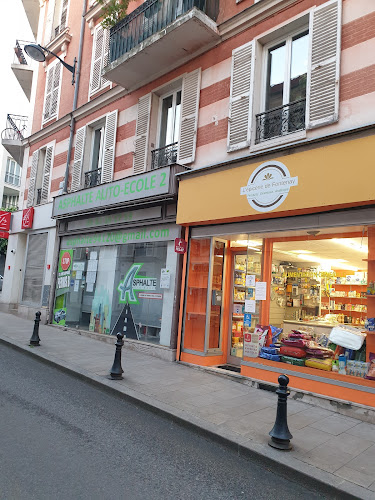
(72, 120)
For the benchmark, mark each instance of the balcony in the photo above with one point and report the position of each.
(93, 178)
(32, 9)
(13, 135)
(158, 36)
(21, 68)
(280, 121)
(165, 156)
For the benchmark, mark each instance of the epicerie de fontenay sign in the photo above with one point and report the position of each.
(268, 186)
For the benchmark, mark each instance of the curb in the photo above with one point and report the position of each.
(287, 466)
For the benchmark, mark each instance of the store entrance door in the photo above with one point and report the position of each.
(246, 270)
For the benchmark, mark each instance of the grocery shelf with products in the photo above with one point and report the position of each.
(244, 265)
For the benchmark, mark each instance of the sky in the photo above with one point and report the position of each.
(14, 27)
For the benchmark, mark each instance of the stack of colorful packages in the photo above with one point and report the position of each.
(293, 348)
(271, 350)
(319, 357)
(299, 349)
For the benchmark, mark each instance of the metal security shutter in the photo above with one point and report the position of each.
(109, 146)
(323, 84)
(34, 169)
(78, 158)
(240, 103)
(34, 268)
(141, 134)
(191, 87)
(47, 174)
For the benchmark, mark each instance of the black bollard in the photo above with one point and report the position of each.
(34, 341)
(280, 434)
(116, 370)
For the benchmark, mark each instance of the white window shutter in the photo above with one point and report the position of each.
(105, 55)
(47, 174)
(48, 93)
(97, 56)
(191, 87)
(34, 169)
(141, 134)
(64, 14)
(49, 21)
(240, 103)
(109, 146)
(55, 90)
(78, 158)
(323, 82)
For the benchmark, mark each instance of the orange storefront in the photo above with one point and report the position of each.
(280, 270)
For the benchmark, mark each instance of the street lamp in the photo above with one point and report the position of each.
(37, 52)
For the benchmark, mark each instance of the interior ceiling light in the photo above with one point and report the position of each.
(328, 263)
(301, 251)
(246, 243)
(353, 245)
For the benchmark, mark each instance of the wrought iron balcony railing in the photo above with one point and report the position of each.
(93, 178)
(280, 121)
(20, 57)
(15, 128)
(151, 17)
(9, 206)
(13, 179)
(165, 156)
(38, 196)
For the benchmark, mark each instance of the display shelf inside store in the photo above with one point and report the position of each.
(244, 286)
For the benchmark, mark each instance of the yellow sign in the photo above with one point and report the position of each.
(309, 274)
(326, 176)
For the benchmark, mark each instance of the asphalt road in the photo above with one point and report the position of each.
(61, 438)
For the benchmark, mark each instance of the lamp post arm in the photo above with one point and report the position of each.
(70, 68)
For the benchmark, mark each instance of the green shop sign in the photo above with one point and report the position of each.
(131, 188)
(165, 232)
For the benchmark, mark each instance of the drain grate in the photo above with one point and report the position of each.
(230, 368)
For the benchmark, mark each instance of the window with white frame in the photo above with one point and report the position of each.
(167, 119)
(94, 152)
(56, 20)
(282, 85)
(100, 55)
(13, 172)
(40, 176)
(168, 130)
(52, 91)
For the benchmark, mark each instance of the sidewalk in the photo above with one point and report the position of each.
(335, 450)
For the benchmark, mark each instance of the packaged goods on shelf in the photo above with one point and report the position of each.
(357, 368)
(320, 364)
(293, 361)
(351, 338)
